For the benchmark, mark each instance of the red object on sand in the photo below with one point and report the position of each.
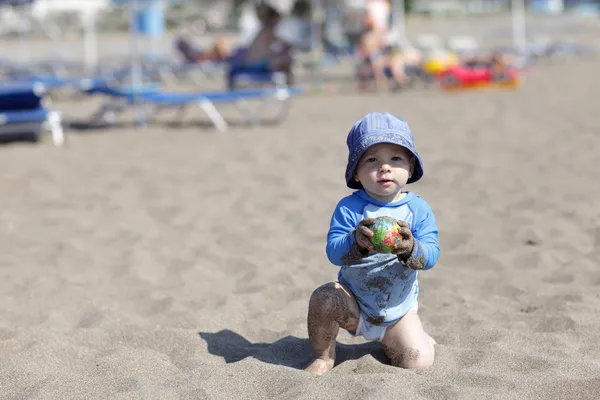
(470, 77)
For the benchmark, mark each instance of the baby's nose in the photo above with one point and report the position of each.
(385, 167)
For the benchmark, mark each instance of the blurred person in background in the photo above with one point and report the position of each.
(336, 32)
(378, 16)
(272, 48)
(377, 58)
(248, 24)
(296, 29)
(221, 50)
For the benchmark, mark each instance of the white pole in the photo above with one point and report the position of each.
(316, 10)
(401, 20)
(24, 53)
(518, 25)
(154, 44)
(136, 73)
(90, 41)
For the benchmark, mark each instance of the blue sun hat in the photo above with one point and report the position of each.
(376, 128)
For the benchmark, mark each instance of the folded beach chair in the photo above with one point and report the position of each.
(22, 113)
(121, 99)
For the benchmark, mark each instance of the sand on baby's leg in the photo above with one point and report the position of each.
(331, 307)
(407, 344)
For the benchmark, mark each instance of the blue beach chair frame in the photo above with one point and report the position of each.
(121, 99)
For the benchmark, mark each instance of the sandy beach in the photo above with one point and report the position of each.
(177, 262)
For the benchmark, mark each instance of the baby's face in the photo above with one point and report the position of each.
(384, 170)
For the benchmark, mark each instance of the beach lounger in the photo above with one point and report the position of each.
(196, 73)
(255, 74)
(22, 113)
(122, 99)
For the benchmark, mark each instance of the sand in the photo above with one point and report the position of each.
(177, 263)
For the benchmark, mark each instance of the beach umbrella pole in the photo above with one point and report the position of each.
(400, 20)
(518, 24)
(24, 54)
(136, 70)
(90, 41)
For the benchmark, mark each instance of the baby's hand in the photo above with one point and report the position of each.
(404, 247)
(363, 234)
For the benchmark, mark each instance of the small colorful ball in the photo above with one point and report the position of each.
(386, 234)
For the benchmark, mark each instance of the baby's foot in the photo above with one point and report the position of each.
(319, 366)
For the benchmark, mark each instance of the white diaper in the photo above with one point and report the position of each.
(374, 332)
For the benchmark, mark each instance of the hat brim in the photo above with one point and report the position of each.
(383, 137)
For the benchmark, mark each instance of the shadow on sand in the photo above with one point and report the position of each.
(289, 351)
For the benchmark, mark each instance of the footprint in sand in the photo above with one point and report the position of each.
(283, 279)
(551, 324)
(527, 259)
(480, 262)
(560, 278)
(479, 379)
(151, 307)
(248, 289)
(177, 269)
(527, 364)
(6, 334)
(271, 180)
(237, 266)
(470, 357)
(456, 241)
(247, 277)
(90, 319)
(441, 392)
(164, 214)
(558, 301)
(596, 249)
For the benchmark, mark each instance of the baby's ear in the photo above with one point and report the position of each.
(412, 166)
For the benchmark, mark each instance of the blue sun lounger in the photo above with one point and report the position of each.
(23, 113)
(76, 84)
(49, 82)
(121, 99)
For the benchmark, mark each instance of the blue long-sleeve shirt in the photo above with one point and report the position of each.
(384, 287)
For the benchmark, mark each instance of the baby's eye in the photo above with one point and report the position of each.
(371, 160)
(397, 158)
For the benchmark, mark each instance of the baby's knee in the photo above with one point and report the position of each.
(326, 300)
(410, 357)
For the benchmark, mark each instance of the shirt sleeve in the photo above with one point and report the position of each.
(340, 238)
(426, 251)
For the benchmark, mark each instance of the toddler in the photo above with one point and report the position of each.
(376, 294)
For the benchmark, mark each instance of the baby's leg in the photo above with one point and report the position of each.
(407, 345)
(331, 306)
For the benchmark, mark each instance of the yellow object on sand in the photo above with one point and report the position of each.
(437, 64)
